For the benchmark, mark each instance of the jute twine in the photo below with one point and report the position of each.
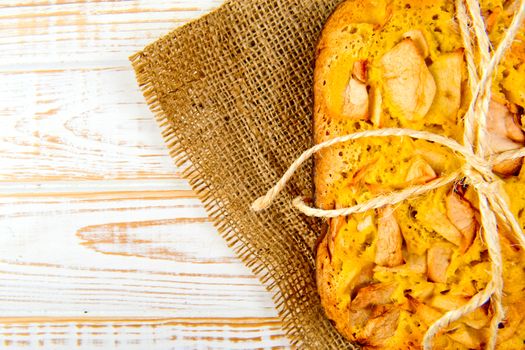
(477, 168)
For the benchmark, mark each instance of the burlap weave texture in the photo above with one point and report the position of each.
(232, 92)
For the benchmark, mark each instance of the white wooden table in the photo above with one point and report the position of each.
(102, 244)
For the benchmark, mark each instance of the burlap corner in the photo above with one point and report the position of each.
(232, 93)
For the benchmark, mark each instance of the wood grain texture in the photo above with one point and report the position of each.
(102, 244)
(175, 333)
(80, 124)
(70, 104)
(37, 34)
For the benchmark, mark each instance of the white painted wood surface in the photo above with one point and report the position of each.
(102, 244)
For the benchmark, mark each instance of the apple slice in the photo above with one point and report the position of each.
(409, 86)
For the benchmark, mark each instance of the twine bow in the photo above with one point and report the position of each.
(477, 168)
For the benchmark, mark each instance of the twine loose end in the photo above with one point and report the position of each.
(260, 204)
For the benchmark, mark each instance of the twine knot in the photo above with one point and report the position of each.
(477, 169)
(476, 166)
(481, 178)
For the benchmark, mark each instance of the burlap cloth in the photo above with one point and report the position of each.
(232, 93)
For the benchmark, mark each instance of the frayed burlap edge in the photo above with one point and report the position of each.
(313, 332)
(191, 174)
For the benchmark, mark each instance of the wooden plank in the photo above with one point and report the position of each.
(78, 124)
(120, 254)
(170, 333)
(55, 33)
